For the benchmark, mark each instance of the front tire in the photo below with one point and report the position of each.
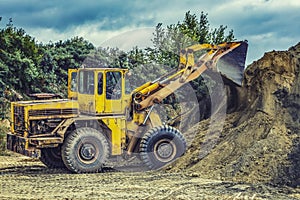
(85, 150)
(161, 145)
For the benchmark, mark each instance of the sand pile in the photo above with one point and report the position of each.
(260, 140)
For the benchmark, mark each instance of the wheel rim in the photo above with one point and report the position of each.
(165, 150)
(88, 152)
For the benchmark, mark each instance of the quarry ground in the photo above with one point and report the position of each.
(26, 178)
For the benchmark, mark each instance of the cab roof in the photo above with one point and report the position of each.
(104, 69)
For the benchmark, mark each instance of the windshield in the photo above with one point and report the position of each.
(86, 82)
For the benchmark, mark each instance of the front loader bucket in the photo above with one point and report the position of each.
(232, 64)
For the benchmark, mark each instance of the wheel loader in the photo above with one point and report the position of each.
(102, 119)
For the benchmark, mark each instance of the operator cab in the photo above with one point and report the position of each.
(99, 91)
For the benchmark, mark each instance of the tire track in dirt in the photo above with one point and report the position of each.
(23, 178)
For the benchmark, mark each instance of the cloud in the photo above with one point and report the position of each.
(255, 17)
(96, 21)
(266, 24)
(61, 15)
(128, 39)
(125, 38)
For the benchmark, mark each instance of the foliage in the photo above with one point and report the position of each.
(30, 67)
(170, 40)
(57, 59)
(18, 58)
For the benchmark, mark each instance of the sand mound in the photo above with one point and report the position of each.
(260, 139)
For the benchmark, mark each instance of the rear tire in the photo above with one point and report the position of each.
(51, 157)
(85, 150)
(161, 145)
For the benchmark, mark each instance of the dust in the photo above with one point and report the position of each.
(259, 142)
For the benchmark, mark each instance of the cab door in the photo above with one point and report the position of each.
(113, 89)
(100, 106)
(72, 84)
(86, 91)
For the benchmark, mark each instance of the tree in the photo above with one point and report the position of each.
(189, 32)
(57, 59)
(29, 67)
(19, 57)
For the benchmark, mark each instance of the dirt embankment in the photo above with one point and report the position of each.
(260, 140)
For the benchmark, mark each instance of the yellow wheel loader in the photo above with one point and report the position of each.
(102, 119)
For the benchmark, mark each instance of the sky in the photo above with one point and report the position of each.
(266, 24)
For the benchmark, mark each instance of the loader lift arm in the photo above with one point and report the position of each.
(188, 70)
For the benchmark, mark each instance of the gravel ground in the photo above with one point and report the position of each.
(25, 178)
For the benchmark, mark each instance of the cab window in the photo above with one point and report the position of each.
(113, 85)
(86, 82)
(128, 86)
(100, 83)
(74, 81)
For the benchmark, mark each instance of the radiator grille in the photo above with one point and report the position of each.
(19, 119)
(51, 112)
